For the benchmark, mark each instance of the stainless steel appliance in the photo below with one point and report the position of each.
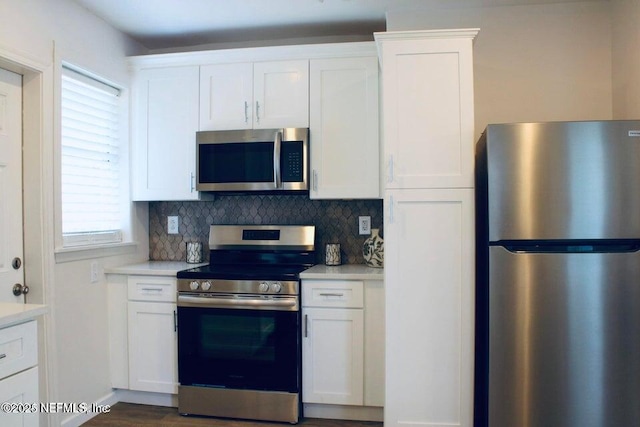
(239, 338)
(558, 275)
(253, 160)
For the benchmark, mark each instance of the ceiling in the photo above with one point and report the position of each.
(160, 24)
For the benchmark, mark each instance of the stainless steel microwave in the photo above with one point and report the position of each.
(253, 160)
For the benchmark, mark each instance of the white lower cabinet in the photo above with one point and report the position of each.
(333, 355)
(342, 350)
(19, 373)
(152, 334)
(152, 347)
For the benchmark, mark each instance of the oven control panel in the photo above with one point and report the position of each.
(270, 287)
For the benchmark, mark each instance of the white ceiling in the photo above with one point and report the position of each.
(161, 24)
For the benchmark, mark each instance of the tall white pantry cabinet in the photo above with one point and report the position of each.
(428, 140)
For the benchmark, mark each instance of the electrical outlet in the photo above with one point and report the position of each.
(95, 271)
(364, 224)
(172, 224)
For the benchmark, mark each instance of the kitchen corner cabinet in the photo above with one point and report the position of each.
(152, 334)
(164, 122)
(427, 88)
(428, 108)
(344, 126)
(260, 95)
(341, 355)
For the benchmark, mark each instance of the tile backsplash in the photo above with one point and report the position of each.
(336, 221)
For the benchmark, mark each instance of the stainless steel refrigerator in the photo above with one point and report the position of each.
(558, 275)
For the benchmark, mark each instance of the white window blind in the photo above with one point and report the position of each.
(90, 175)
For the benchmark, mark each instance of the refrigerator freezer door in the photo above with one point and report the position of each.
(563, 341)
(571, 180)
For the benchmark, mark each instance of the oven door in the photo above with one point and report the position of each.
(238, 348)
(254, 160)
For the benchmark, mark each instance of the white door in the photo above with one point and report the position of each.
(281, 94)
(333, 356)
(153, 347)
(10, 185)
(429, 264)
(344, 128)
(166, 122)
(226, 96)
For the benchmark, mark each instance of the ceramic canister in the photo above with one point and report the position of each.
(333, 254)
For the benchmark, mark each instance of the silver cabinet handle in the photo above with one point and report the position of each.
(257, 112)
(331, 295)
(391, 219)
(306, 325)
(277, 147)
(315, 180)
(192, 182)
(152, 289)
(3, 355)
(246, 112)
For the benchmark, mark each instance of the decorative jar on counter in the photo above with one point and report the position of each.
(373, 249)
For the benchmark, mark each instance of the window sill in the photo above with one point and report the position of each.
(94, 251)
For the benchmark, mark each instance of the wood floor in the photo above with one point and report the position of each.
(130, 415)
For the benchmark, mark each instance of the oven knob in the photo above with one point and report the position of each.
(194, 285)
(263, 287)
(206, 285)
(276, 287)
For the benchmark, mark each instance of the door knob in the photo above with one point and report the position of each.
(18, 289)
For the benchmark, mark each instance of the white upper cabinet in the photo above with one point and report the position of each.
(344, 125)
(261, 95)
(428, 97)
(165, 121)
(281, 94)
(226, 96)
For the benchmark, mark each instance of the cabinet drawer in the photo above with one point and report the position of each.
(18, 348)
(152, 288)
(332, 293)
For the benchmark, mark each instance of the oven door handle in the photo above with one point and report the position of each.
(290, 304)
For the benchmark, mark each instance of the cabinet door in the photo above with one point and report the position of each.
(21, 388)
(165, 120)
(343, 121)
(429, 267)
(226, 96)
(332, 356)
(153, 347)
(428, 113)
(281, 94)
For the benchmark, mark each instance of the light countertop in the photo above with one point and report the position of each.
(345, 272)
(12, 312)
(320, 271)
(153, 268)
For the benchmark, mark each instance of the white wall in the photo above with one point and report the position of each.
(532, 62)
(77, 325)
(626, 59)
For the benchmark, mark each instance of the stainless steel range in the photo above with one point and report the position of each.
(239, 348)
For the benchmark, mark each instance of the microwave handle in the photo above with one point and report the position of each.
(277, 146)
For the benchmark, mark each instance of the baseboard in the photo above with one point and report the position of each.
(76, 420)
(343, 412)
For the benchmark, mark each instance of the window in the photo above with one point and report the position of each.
(90, 161)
